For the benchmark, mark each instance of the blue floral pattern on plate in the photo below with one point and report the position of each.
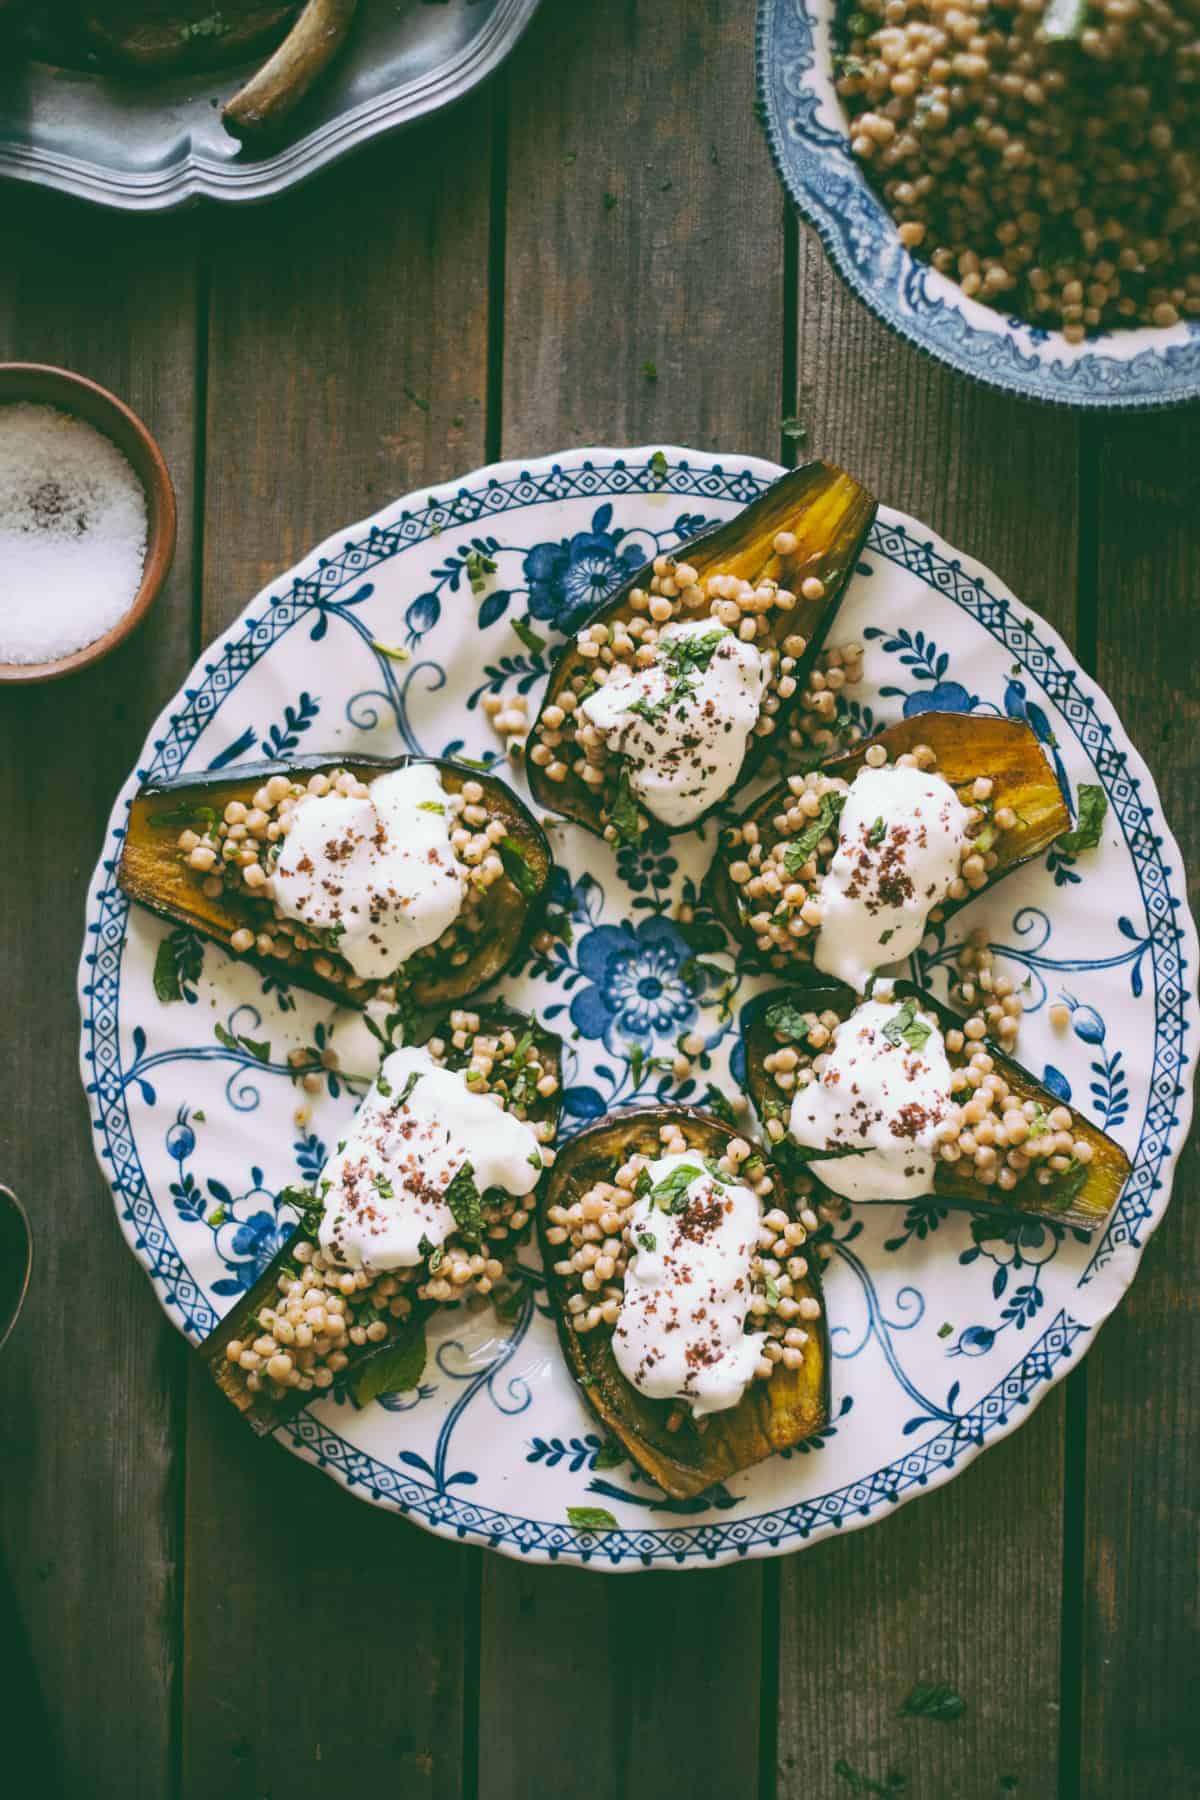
(945, 1330)
(806, 129)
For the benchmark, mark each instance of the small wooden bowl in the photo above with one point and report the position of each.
(43, 385)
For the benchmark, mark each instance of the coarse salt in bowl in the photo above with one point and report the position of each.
(87, 522)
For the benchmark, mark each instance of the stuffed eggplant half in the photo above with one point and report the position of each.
(844, 865)
(361, 879)
(688, 1311)
(679, 685)
(421, 1205)
(896, 1098)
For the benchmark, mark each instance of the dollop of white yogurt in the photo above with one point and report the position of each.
(883, 1091)
(900, 841)
(377, 871)
(384, 1190)
(697, 704)
(680, 1332)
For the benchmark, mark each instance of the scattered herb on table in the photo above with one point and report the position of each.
(528, 636)
(934, 1700)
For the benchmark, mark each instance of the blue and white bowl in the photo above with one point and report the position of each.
(806, 128)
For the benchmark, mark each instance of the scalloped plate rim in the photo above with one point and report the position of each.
(575, 1550)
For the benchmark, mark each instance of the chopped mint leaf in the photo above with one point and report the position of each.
(479, 567)
(771, 1290)
(591, 1518)
(433, 806)
(623, 814)
(885, 937)
(660, 466)
(395, 1369)
(528, 636)
(788, 1020)
(409, 1085)
(186, 814)
(1039, 1125)
(609, 1456)
(610, 200)
(878, 831)
(216, 1217)
(908, 1027)
(417, 401)
(946, 1330)
(1069, 1186)
(434, 1255)
(384, 1086)
(462, 1197)
(801, 848)
(395, 651)
(670, 1194)
(642, 1184)
(383, 1186)
(517, 867)
(715, 1170)
(261, 1051)
(716, 1103)
(166, 972)
(648, 1241)
(650, 371)
(1092, 806)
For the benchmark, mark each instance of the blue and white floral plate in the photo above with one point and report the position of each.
(806, 129)
(946, 1332)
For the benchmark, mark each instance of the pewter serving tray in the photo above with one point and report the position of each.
(148, 145)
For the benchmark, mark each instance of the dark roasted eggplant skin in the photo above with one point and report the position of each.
(772, 1415)
(266, 1412)
(1087, 1210)
(829, 513)
(152, 873)
(967, 745)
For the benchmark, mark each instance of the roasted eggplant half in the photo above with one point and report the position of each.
(597, 1183)
(324, 1322)
(1033, 1154)
(720, 635)
(192, 845)
(764, 877)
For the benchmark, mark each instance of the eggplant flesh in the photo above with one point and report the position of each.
(967, 746)
(828, 513)
(1084, 1205)
(153, 872)
(266, 1411)
(772, 1415)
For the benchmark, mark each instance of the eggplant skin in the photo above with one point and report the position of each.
(267, 1412)
(828, 512)
(772, 1415)
(967, 745)
(152, 873)
(1085, 1211)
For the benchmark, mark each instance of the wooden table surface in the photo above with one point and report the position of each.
(209, 1616)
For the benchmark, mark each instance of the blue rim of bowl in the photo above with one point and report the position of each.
(819, 156)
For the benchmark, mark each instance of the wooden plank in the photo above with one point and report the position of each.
(90, 1383)
(922, 1596)
(643, 293)
(644, 227)
(1138, 1716)
(347, 362)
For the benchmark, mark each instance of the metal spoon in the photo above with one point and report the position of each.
(16, 1259)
